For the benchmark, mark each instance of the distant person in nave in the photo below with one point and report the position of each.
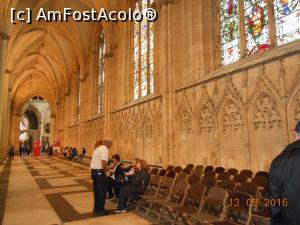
(139, 180)
(98, 173)
(21, 150)
(50, 151)
(284, 184)
(11, 152)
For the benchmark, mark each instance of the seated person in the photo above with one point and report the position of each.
(139, 180)
(73, 153)
(66, 152)
(117, 178)
(82, 155)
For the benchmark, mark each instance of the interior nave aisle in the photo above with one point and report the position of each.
(51, 191)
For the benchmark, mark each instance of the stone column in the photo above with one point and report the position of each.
(109, 56)
(3, 90)
(166, 74)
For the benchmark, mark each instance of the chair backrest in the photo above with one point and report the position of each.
(210, 173)
(194, 178)
(171, 174)
(228, 185)
(165, 187)
(262, 174)
(199, 169)
(187, 170)
(178, 169)
(239, 205)
(170, 168)
(155, 180)
(154, 171)
(239, 178)
(178, 192)
(260, 181)
(190, 166)
(249, 188)
(195, 195)
(215, 201)
(208, 168)
(209, 182)
(154, 184)
(181, 176)
(162, 172)
(232, 171)
(247, 173)
(220, 170)
(223, 176)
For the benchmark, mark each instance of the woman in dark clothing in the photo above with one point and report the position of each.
(116, 179)
(139, 180)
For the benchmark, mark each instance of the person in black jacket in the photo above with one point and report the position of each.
(138, 184)
(116, 179)
(283, 185)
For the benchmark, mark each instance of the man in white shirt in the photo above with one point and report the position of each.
(98, 172)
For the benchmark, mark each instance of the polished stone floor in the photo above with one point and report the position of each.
(52, 191)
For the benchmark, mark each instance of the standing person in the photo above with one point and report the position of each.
(98, 173)
(11, 152)
(284, 184)
(21, 150)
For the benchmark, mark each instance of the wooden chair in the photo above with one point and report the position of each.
(238, 210)
(175, 199)
(239, 178)
(249, 188)
(228, 185)
(209, 182)
(199, 169)
(212, 207)
(194, 178)
(262, 174)
(170, 168)
(191, 204)
(178, 169)
(163, 192)
(232, 171)
(247, 173)
(224, 175)
(219, 170)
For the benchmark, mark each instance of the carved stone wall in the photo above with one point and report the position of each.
(137, 132)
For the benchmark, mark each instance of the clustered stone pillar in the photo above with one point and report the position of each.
(4, 81)
(165, 39)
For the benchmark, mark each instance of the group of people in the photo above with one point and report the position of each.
(23, 150)
(71, 153)
(115, 179)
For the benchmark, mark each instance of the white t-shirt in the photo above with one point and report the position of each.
(100, 153)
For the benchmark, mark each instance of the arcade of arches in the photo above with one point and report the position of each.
(189, 103)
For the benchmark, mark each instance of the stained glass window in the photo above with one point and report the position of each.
(287, 20)
(229, 31)
(101, 75)
(257, 29)
(143, 54)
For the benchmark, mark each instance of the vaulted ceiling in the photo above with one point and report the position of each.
(43, 57)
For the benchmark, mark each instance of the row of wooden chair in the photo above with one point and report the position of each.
(171, 187)
(186, 199)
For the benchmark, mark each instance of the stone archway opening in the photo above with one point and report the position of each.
(35, 123)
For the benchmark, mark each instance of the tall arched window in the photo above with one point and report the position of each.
(258, 19)
(101, 75)
(78, 99)
(143, 54)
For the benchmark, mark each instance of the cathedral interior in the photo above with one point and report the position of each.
(214, 83)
